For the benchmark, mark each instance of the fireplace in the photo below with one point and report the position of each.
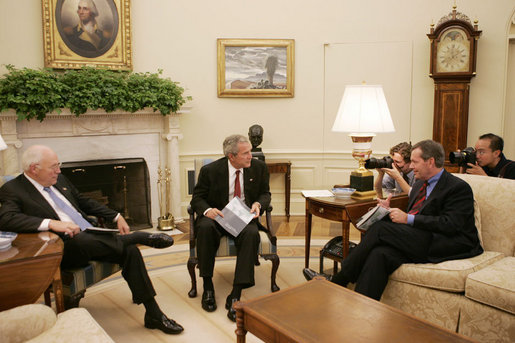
(99, 135)
(120, 184)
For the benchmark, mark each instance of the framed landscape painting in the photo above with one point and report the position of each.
(79, 33)
(255, 67)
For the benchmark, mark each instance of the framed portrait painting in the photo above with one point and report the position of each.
(255, 67)
(81, 33)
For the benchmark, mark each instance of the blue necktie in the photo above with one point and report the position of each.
(70, 211)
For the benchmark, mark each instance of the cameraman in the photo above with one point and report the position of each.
(401, 176)
(490, 159)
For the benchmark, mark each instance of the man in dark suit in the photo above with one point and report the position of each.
(236, 174)
(438, 226)
(41, 199)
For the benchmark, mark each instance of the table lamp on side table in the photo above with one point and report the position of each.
(363, 112)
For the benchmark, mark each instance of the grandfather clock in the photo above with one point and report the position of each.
(452, 66)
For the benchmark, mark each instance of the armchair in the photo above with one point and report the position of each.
(267, 248)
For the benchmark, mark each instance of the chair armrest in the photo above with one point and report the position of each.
(192, 227)
(24, 322)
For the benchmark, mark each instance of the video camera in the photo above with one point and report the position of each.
(385, 162)
(467, 155)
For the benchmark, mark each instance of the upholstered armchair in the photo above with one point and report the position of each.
(267, 248)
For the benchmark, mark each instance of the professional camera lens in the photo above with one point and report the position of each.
(385, 162)
(461, 158)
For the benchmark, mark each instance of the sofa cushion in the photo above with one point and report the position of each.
(74, 325)
(447, 276)
(494, 285)
(228, 247)
(24, 322)
(495, 197)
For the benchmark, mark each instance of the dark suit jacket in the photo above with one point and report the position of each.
(449, 214)
(22, 207)
(212, 188)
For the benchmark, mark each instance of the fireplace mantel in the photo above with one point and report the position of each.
(99, 125)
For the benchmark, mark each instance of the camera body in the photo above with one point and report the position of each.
(467, 155)
(385, 162)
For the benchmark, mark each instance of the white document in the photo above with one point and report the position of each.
(317, 193)
(371, 217)
(236, 216)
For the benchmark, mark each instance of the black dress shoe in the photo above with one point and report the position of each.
(158, 240)
(209, 301)
(309, 274)
(164, 324)
(231, 313)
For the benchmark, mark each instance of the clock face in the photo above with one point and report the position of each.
(453, 52)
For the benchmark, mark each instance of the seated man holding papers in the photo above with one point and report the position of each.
(235, 175)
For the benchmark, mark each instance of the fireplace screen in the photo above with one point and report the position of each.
(120, 184)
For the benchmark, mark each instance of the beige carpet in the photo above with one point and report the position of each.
(110, 302)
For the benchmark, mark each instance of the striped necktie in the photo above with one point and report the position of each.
(421, 196)
(70, 211)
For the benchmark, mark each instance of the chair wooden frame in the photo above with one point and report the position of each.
(274, 258)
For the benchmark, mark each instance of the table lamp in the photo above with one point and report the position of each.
(363, 112)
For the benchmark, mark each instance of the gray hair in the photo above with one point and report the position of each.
(33, 155)
(430, 149)
(92, 7)
(230, 145)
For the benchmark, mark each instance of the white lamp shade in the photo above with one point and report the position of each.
(363, 109)
(3, 146)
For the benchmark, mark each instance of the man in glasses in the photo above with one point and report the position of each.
(490, 160)
(41, 199)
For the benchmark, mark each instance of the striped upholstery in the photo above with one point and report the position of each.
(78, 279)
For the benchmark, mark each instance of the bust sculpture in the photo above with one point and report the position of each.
(256, 137)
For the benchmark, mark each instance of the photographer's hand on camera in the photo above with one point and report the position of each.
(475, 169)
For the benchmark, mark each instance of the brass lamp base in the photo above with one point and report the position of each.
(166, 223)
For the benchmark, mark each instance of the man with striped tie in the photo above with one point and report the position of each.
(437, 226)
(41, 199)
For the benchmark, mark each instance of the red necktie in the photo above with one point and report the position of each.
(237, 187)
(421, 196)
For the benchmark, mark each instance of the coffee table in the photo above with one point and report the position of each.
(29, 267)
(320, 311)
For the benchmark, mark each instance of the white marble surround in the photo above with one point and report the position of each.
(100, 135)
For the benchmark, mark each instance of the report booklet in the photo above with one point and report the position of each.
(236, 216)
(372, 216)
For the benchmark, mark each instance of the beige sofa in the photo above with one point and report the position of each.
(38, 323)
(474, 296)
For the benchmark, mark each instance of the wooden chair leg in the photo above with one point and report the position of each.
(192, 262)
(274, 258)
(48, 300)
(73, 300)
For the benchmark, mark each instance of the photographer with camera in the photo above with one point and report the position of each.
(394, 172)
(490, 161)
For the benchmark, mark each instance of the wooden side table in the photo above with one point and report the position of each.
(321, 311)
(341, 210)
(284, 167)
(29, 267)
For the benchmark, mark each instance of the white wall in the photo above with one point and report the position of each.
(180, 37)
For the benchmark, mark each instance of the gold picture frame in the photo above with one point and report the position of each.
(70, 45)
(255, 67)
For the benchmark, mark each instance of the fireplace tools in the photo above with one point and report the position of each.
(125, 190)
(166, 221)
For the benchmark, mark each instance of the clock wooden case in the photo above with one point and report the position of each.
(452, 66)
